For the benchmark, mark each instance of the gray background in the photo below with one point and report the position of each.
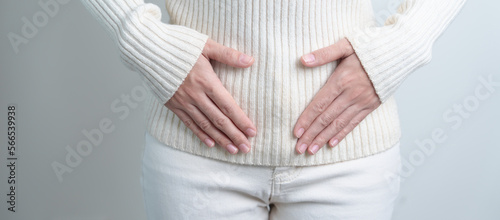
(65, 79)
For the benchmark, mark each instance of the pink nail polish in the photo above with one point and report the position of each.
(314, 149)
(232, 149)
(245, 59)
(309, 58)
(250, 132)
(302, 148)
(244, 148)
(209, 142)
(300, 132)
(334, 142)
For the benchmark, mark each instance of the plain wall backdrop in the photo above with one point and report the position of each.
(64, 80)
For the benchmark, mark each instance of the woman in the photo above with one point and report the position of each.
(267, 86)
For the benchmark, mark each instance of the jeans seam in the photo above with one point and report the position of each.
(291, 177)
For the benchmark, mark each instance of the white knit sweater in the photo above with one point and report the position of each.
(275, 90)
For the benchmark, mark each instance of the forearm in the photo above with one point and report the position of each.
(163, 53)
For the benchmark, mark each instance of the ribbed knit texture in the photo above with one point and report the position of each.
(275, 90)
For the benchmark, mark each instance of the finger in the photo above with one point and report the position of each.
(219, 116)
(330, 115)
(225, 102)
(191, 124)
(354, 122)
(321, 101)
(227, 55)
(328, 54)
(207, 126)
(340, 123)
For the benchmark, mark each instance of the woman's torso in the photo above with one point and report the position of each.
(275, 90)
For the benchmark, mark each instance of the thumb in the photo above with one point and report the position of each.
(325, 55)
(229, 56)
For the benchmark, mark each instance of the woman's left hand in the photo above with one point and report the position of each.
(343, 102)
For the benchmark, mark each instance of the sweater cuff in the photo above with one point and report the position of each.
(391, 52)
(388, 55)
(164, 54)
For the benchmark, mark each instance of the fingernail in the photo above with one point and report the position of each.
(309, 58)
(245, 59)
(250, 132)
(314, 149)
(302, 148)
(244, 148)
(232, 149)
(209, 142)
(300, 132)
(334, 142)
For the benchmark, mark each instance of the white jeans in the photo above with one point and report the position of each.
(179, 185)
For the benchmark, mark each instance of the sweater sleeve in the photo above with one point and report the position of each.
(389, 53)
(162, 53)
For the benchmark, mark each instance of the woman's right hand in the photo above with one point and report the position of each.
(207, 108)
